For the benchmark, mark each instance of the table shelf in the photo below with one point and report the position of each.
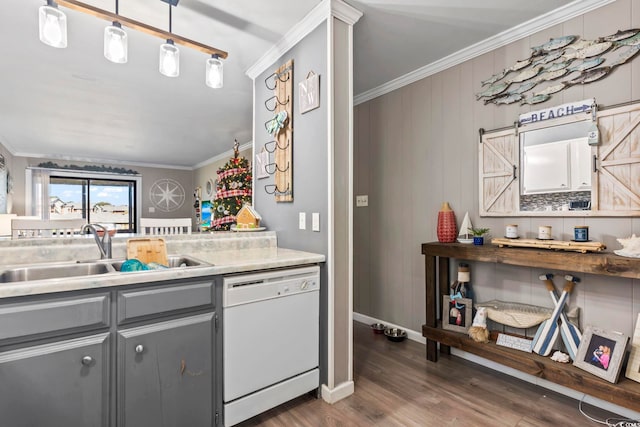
(625, 393)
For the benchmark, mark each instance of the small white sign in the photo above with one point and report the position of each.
(555, 112)
(516, 343)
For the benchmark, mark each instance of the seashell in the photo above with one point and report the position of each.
(561, 357)
(630, 247)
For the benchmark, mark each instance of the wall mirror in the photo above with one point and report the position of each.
(555, 168)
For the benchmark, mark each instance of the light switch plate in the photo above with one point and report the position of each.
(302, 221)
(315, 221)
(152, 209)
(362, 201)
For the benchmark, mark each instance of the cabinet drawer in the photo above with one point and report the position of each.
(156, 300)
(60, 315)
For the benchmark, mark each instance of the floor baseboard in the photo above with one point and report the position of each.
(335, 394)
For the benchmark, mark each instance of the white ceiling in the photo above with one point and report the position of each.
(72, 104)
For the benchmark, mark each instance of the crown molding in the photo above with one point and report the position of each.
(344, 12)
(542, 22)
(222, 156)
(317, 16)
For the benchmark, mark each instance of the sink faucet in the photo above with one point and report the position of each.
(104, 244)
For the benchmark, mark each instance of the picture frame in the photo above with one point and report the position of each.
(633, 367)
(601, 353)
(309, 93)
(206, 209)
(457, 314)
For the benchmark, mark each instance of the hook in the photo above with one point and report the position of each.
(277, 102)
(275, 76)
(273, 189)
(276, 146)
(275, 168)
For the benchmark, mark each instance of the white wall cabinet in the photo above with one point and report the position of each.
(547, 168)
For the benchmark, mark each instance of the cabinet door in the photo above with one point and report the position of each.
(165, 373)
(581, 162)
(617, 181)
(61, 384)
(547, 168)
(499, 192)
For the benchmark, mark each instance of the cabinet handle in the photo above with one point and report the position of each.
(139, 348)
(87, 360)
(595, 159)
(514, 172)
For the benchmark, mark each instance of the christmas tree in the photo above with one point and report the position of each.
(233, 189)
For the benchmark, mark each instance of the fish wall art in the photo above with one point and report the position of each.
(560, 63)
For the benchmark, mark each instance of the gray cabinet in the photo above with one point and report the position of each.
(134, 356)
(59, 384)
(166, 373)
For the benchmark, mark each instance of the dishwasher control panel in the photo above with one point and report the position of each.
(245, 289)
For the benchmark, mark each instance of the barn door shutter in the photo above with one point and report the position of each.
(618, 164)
(498, 160)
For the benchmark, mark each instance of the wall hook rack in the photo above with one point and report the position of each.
(273, 189)
(275, 168)
(277, 77)
(273, 145)
(276, 102)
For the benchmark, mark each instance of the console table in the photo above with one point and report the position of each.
(625, 393)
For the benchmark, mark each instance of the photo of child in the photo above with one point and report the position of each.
(600, 352)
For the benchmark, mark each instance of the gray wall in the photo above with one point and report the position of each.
(149, 176)
(418, 146)
(310, 162)
(309, 151)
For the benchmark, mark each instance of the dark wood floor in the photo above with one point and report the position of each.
(396, 386)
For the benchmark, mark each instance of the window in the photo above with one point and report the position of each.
(97, 197)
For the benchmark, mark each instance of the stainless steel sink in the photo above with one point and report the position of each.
(54, 271)
(83, 268)
(174, 261)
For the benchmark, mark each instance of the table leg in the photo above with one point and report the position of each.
(431, 304)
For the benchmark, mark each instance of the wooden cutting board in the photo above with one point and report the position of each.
(148, 250)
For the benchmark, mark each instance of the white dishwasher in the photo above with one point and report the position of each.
(271, 340)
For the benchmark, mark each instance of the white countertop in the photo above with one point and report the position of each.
(226, 253)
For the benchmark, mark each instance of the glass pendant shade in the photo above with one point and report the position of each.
(53, 26)
(213, 75)
(115, 44)
(169, 59)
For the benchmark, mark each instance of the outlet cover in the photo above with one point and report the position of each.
(362, 201)
(302, 221)
(315, 221)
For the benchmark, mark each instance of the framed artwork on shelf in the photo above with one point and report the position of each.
(456, 314)
(309, 93)
(601, 353)
(633, 367)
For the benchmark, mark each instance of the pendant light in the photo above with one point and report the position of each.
(213, 74)
(115, 42)
(169, 56)
(53, 25)
(169, 59)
